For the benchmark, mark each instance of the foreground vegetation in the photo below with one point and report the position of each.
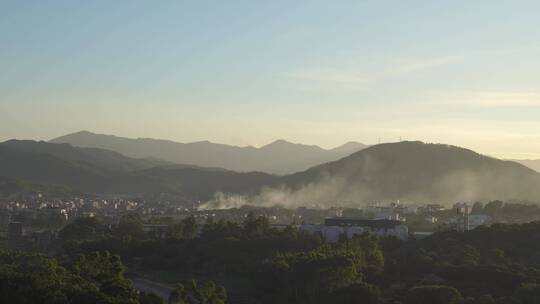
(256, 263)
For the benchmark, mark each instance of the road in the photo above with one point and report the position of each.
(147, 286)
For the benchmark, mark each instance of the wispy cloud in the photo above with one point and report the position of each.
(330, 75)
(424, 64)
(347, 74)
(490, 99)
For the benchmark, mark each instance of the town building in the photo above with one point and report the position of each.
(334, 228)
(384, 212)
(460, 222)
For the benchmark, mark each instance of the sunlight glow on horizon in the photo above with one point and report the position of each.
(244, 73)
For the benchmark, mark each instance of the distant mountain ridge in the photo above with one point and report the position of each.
(406, 171)
(278, 157)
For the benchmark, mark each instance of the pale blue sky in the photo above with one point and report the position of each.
(249, 72)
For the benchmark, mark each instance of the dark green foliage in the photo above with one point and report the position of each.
(322, 270)
(193, 292)
(490, 265)
(367, 246)
(32, 278)
(185, 229)
(433, 295)
(326, 274)
(130, 225)
(494, 260)
(483, 299)
(107, 272)
(83, 228)
(529, 294)
(53, 220)
(256, 227)
(356, 293)
(223, 247)
(499, 242)
(150, 298)
(507, 300)
(496, 280)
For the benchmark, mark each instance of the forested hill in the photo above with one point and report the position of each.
(98, 159)
(98, 171)
(14, 187)
(424, 172)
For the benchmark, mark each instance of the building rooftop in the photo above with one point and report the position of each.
(342, 221)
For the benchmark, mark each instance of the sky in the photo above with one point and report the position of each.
(249, 72)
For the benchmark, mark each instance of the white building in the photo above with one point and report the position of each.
(334, 228)
(383, 212)
(431, 219)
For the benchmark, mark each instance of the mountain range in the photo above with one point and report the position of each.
(279, 157)
(407, 171)
(98, 171)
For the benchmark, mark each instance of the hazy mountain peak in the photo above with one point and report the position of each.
(278, 142)
(282, 143)
(350, 146)
(83, 132)
(278, 157)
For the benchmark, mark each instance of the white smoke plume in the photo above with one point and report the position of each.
(329, 192)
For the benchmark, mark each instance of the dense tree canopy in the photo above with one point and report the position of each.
(194, 292)
(489, 265)
(32, 278)
(329, 273)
